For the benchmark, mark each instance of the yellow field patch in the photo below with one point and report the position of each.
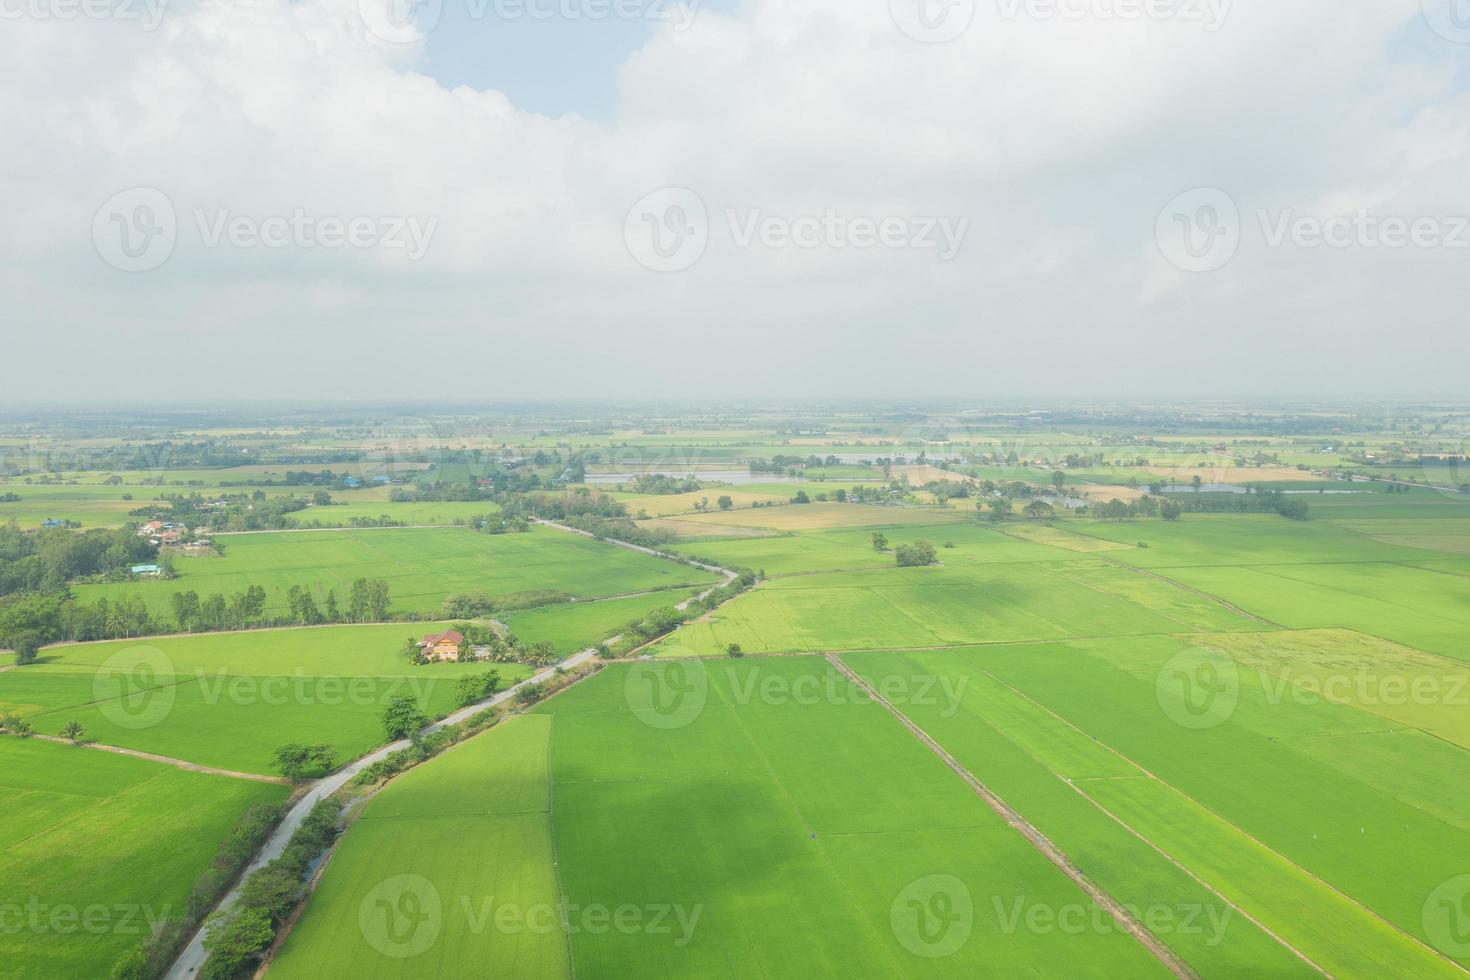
(1103, 492)
(815, 517)
(1451, 535)
(1228, 472)
(920, 475)
(668, 505)
(1345, 667)
(1058, 538)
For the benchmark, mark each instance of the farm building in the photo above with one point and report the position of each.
(146, 571)
(442, 646)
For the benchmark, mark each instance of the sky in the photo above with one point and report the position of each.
(481, 200)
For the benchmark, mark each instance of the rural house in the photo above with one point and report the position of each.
(442, 646)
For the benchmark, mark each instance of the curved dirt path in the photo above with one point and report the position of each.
(166, 760)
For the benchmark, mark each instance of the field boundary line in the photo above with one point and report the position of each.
(1140, 773)
(1037, 839)
(1189, 588)
(561, 891)
(1351, 900)
(167, 760)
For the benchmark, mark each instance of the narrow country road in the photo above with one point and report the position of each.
(193, 956)
(186, 967)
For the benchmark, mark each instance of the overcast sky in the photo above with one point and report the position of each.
(491, 199)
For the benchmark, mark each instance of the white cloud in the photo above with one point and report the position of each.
(1059, 140)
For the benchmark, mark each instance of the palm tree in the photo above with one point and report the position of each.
(74, 731)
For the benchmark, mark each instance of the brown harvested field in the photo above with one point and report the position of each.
(1230, 473)
(920, 475)
(1103, 492)
(692, 528)
(816, 517)
(667, 505)
(1058, 538)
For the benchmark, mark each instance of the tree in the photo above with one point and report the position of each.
(917, 554)
(234, 939)
(1000, 509)
(734, 650)
(186, 608)
(403, 718)
(27, 646)
(334, 615)
(1170, 511)
(321, 498)
(880, 541)
(378, 599)
(74, 731)
(725, 502)
(296, 762)
(1039, 510)
(357, 601)
(1059, 480)
(291, 760)
(474, 689)
(274, 889)
(801, 498)
(1197, 483)
(413, 651)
